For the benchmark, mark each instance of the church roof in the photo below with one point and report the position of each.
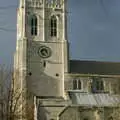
(85, 99)
(94, 67)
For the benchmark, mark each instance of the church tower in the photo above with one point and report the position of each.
(84, 91)
(41, 57)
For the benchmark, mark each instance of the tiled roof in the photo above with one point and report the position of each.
(94, 67)
(94, 99)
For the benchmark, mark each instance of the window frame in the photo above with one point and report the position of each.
(34, 25)
(77, 84)
(53, 26)
(97, 85)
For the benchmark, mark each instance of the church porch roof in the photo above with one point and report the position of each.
(87, 99)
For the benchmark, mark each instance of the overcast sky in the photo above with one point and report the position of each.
(94, 29)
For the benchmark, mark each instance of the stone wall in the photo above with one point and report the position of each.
(111, 84)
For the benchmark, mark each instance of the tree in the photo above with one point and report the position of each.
(13, 104)
(5, 76)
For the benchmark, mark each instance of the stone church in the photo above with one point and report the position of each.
(60, 88)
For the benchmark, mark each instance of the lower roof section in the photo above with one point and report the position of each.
(102, 100)
(94, 67)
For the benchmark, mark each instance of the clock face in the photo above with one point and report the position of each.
(44, 52)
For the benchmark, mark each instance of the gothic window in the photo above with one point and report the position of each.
(97, 85)
(34, 25)
(53, 26)
(79, 84)
(76, 84)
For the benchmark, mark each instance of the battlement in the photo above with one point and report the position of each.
(53, 4)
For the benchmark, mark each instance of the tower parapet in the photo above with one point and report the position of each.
(58, 4)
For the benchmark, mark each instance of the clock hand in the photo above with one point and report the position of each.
(44, 53)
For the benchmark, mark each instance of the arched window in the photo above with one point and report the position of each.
(76, 84)
(53, 26)
(34, 25)
(97, 85)
(79, 84)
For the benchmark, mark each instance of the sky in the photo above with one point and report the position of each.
(93, 30)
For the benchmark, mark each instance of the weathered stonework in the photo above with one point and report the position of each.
(59, 88)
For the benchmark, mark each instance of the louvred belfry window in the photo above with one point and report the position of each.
(34, 25)
(53, 26)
